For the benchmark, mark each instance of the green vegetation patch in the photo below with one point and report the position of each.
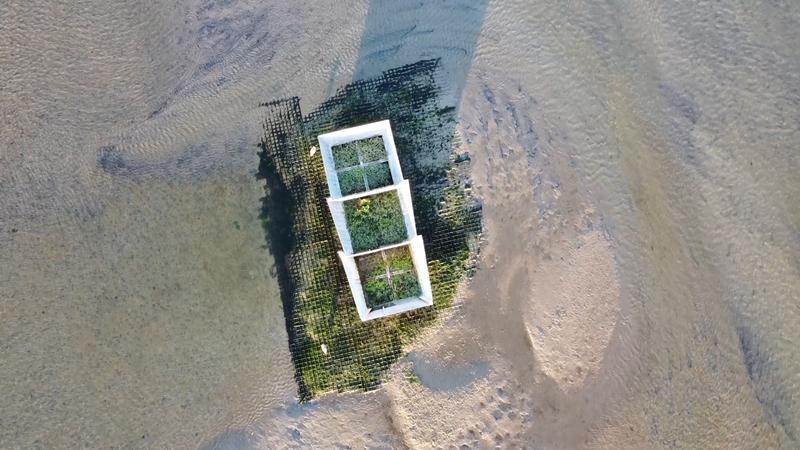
(388, 276)
(406, 285)
(356, 152)
(378, 292)
(375, 221)
(371, 149)
(351, 181)
(361, 165)
(332, 350)
(378, 175)
(345, 155)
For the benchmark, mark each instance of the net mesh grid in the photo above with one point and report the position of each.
(331, 349)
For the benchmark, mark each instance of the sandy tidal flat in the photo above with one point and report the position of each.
(638, 284)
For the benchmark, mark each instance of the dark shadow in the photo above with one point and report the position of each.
(232, 440)
(762, 371)
(403, 32)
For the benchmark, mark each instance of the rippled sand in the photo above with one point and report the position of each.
(639, 284)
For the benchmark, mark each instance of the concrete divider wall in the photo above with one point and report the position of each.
(421, 266)
(340, 222)
(354, 280)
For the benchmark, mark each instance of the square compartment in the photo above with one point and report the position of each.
(388, 276)
(378, 175)
(390, 280)
(361, 231)
(361, 165)
(351, 181)
(375, 221)
(370, 147)
(345, 155)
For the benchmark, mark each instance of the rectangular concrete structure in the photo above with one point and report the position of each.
(328, 140)
(336, 205)
(401, 305)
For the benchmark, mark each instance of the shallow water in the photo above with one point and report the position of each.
(138, 304)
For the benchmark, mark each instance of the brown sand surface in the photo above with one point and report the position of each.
(639, 279)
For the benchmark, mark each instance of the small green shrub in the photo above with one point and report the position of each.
(345, 155)
(406, 285)
(412, 377)
(399, 258)
(378, 175)
(372, 149)
(371, 265)
(375, 221)
(377, 292)
(351, 181)
(363, 235)
(391, 226)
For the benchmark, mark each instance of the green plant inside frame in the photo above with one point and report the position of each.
(375, 221)
(388, 276)
(352, 153)
(361, 165)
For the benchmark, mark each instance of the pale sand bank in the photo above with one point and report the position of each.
(638, 284)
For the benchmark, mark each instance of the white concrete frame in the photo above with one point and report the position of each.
(329, 140)
(336, 205)
(417, 249)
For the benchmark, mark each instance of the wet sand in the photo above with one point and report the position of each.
(638, 284)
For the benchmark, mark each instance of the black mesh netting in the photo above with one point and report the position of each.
(331, 348)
